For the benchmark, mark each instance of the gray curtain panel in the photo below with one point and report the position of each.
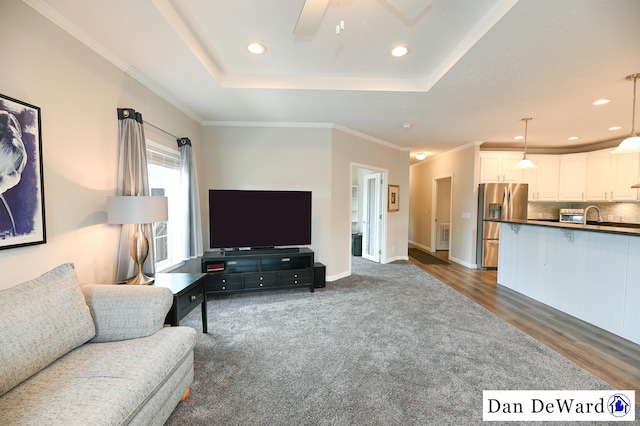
(191, 221)
(132, 180)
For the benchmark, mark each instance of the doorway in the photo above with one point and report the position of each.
(441, 226)
(367, 211)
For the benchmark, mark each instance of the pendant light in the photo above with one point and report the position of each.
(525, 163)
(632, 143)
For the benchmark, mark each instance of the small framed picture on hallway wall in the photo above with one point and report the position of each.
(393, 199)
(21, 182)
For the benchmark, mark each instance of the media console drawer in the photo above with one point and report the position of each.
(289, 278)
(219, 282)
(260, 280)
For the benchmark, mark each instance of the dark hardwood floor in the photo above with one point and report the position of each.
(613, 359)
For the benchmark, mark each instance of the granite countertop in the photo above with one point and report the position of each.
(608, 227)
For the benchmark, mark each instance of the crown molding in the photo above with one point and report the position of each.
(62, 22)
(332, 126)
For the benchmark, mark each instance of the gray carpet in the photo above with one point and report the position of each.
(389, 345)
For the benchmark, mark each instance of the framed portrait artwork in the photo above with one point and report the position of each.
(393, 199)
(21, 183)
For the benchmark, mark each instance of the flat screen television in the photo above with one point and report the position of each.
(259, 219)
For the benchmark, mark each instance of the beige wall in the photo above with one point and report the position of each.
(460, 164)
(348, 150)
(78, 92)
(316, 159)
(271, 158)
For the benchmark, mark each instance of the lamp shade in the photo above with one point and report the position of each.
(525, 163)
(629, 145)
(130, 209)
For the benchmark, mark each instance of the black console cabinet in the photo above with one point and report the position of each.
(256, 270)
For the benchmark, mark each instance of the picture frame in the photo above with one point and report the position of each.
(393, 198)
(22, 218)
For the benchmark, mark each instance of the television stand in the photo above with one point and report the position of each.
(258, 270)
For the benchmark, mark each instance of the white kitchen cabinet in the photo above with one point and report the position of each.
(593, 176)
(625, 172)
(496, 166)
(598, 170)
(544, 180)
(573, 177)
(610, 176)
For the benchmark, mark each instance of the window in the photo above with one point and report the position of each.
(163, 165)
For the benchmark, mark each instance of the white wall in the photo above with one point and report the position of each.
(78, 93)
(461, 165)
(303, 158)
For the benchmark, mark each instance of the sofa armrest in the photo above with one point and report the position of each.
(122, 312)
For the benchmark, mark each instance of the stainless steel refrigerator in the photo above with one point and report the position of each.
(497, 201)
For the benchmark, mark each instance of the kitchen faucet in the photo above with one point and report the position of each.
(584, 218)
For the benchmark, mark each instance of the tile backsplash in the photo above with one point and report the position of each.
(611, 212)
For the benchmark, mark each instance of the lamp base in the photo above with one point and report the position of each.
(139, 248)
(140, 279)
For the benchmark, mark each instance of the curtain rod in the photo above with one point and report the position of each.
(162, 130)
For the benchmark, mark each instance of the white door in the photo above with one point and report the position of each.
(371, 218)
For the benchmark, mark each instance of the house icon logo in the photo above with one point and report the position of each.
(618, 405)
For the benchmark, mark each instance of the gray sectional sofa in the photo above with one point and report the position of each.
(91, 354)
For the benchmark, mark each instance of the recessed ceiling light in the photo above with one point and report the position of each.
(615, 128)
(421, 156)
(601, 102)
(399, 51)
(406, 125)
(256, 48)
(572, 138)
(517, 138)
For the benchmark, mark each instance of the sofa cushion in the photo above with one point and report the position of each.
(123, 312)
(102, 383)
(41, 320)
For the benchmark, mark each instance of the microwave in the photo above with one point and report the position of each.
(572, 215)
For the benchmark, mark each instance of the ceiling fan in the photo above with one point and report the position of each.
(313, 11)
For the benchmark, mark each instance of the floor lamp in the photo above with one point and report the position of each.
(133, 210)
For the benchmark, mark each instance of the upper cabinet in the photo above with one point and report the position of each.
(544, 180)
(610, 176)
(496, 166)
(573, 177)
(587, 176)
(625, 172)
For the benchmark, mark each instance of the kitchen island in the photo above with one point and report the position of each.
(591, 272)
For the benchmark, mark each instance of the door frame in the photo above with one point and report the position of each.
(434, 209)
(384, 173)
